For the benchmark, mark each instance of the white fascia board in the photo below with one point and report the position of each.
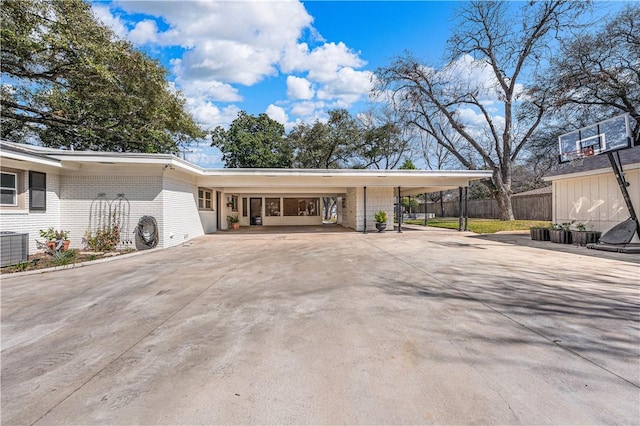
(36, 159)
(283, 190)
(269, 178)
(355, 173)
(80, 157)
(602, 171)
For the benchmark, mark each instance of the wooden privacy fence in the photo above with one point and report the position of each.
(530, 207)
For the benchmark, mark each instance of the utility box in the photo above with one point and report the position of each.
(14, 248)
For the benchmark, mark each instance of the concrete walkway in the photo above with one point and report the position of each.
(326, 328)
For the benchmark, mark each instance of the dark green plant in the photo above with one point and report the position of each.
(21, 266)
(61, 258)
(581, 226)
(233, 219)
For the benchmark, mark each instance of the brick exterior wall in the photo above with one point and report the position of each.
(181, 217)
(79, 195)
(378, 198)
(24, 221)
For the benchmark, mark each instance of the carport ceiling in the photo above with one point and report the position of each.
(411, 182)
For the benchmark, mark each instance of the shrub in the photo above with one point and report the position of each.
(103, 240)
(380, 216)
(53, 235)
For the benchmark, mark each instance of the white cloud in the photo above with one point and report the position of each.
(204, 155)
(220, 45)
(322, 63)
(208, 115)
(212, 90)
(104, 14)
(347, 85)
(299, 88)
(307, 109)
(144, 32)
(277, 113)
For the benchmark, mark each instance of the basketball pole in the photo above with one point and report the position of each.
(616, 165)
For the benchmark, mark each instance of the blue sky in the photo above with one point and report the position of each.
(289, 59)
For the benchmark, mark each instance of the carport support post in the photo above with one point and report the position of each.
(399, 212)
(466, 208)
(365, 210)
(460, 209)
(426, 222)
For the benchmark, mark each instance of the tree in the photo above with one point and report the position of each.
(595, 76)
(253, 142)
(330, 145)
(489, 58)
(383, 142)
(70, 82)
(408, 165)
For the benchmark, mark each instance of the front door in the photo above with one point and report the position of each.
(255, 211)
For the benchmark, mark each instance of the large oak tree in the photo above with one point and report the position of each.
(68, 81)
(495, 49)
(253, 141)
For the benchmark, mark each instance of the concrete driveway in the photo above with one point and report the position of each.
(326, 328)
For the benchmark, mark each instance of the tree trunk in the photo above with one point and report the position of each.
(503, 195)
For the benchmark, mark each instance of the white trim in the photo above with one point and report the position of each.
(14, 189)
(600, 171)
(37, 159)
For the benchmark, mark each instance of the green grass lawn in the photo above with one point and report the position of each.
(483, 226)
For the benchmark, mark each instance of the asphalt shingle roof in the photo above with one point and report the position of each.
(627, 156)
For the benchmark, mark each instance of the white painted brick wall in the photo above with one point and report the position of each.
(23, 221)
(378, 198)
(181, 217)
(144, 194)
(349, 212)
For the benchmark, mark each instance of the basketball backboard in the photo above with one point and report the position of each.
(607, 135)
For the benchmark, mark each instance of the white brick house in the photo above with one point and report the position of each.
(43, 187)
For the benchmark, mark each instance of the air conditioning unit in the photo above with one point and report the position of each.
(14, 248)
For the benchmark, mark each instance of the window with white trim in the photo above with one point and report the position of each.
(205, 199)
(9, 189)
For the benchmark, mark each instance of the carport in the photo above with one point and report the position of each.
(268, 197)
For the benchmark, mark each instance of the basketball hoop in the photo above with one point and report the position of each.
(605, 136)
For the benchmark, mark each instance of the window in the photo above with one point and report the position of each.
(9, 189)
(301, 206)
(272, 206)
(244, 206)
(37, 191)
(232, 202)
(205, 199)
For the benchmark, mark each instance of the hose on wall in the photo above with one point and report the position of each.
(147, 233)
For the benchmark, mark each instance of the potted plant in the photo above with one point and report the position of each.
(581, 237)
(381, 220)
(56, 240)
(539, 233)
(234, 222)
(560, 233)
